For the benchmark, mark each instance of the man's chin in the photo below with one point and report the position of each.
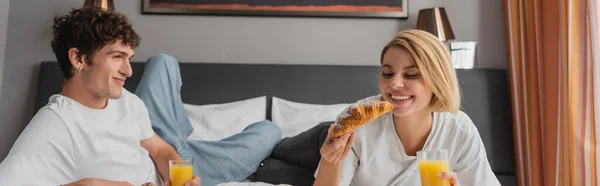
(116, 95)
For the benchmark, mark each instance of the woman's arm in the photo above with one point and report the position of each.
(329, 173)
(473, 167)
(333, 153)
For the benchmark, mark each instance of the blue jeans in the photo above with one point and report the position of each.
(231, 159)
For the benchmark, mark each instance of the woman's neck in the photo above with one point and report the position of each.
(413, 130)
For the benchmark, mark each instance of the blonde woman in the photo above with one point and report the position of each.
(418, 78)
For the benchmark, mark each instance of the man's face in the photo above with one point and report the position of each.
(105, 75)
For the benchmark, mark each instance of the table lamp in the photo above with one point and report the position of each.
(435, 21)
(105, 4)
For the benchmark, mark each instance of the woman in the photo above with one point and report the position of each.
(418, 78)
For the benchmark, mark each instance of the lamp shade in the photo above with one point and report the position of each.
(435, 21)
(105, 4)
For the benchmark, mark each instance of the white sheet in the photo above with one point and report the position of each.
(218, 121)
(250, 184)
(294, 117)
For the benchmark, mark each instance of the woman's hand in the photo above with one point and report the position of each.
(450, 175)
(194, 182)
(336, 150)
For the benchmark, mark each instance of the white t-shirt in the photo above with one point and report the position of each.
(66, 141)
(378, 157)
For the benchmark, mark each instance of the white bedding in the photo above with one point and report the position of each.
(249, 184)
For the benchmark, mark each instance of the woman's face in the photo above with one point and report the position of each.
(401, 83)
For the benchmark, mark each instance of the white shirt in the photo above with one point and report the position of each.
(378, 157)
(66, 141)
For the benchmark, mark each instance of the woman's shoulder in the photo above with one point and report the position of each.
(375, 129)
(374, 136)
(459, 121)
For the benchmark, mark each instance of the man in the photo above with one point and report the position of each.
(97, 133)
(94, 132)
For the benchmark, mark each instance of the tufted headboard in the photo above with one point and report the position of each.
(485, 93)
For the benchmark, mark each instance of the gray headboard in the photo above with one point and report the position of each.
(485, 94)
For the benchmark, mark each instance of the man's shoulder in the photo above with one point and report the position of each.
(57, 104)
(130, 98)
(55, 115)
(48, 115)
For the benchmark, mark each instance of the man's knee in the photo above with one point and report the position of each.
(268, 129)
(161, 65)
(162, 59)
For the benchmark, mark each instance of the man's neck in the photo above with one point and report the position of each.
(75, 90)
(413, 130)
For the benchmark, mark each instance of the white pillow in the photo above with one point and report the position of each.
(218, 121)
(294, 118)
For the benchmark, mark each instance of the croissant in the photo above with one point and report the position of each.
(359, 115)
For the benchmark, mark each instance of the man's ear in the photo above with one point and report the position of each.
(75, 59)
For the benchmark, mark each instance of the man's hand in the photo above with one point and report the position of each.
(194, 182)
(97, 182)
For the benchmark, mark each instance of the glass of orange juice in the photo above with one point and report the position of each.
(431, 163)
(181, 171)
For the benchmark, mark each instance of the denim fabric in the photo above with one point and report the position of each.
(228, 160)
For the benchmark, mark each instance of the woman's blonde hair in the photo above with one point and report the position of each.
(434, 62)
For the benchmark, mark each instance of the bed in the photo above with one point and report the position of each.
(485, 93)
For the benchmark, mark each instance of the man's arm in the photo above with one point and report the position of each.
(43, 153)
(98, 182)
(160, 152)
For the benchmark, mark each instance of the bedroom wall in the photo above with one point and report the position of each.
(310, 40)
(279, 40)
(4, 5)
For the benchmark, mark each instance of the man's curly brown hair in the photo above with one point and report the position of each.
(89, 30)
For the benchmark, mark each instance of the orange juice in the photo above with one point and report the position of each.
(180, 174)
(429, 170)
